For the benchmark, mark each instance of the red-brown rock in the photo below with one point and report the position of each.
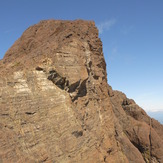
(55, 105)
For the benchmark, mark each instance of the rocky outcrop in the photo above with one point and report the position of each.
(56, 105)
(145, 133)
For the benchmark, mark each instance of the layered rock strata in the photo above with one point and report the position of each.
(56, 105)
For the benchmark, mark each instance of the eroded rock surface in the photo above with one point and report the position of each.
(145, 133)
(55, 105)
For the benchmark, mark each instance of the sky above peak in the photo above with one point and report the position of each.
(131, 32)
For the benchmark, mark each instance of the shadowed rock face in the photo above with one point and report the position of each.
(56, 105)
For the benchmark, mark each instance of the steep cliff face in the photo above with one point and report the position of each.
(56, 105)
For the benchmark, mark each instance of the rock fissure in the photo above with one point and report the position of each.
(76, 90)
(58, 80)
(30, 113)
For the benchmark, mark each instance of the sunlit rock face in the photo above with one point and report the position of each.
(56, 105)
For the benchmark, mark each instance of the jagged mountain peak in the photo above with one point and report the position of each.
(56, 104)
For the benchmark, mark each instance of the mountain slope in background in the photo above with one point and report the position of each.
(157, 115)
(56, 105)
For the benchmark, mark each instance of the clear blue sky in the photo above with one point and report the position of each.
(131, 32)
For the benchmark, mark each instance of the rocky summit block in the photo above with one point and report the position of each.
(56, 105)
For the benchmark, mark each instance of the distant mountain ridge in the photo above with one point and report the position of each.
(158, 115)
